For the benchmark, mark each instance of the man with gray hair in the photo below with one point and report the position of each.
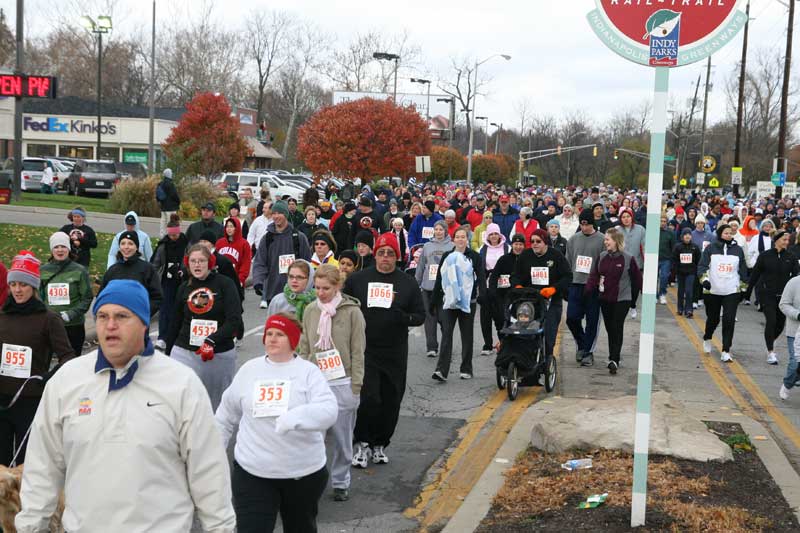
(168, 200)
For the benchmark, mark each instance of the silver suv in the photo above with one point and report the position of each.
(92, 176)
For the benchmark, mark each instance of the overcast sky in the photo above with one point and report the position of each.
(557, 61)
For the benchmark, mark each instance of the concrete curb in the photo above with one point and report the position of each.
(90, 215)
(478, 502)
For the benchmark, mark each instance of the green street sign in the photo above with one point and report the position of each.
(669, 158)
(779, 179)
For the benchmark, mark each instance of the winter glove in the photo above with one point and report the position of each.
(548, 292)
(258, 288)
(64, 316)
(206, 351)
(798, 317)
(706, 285)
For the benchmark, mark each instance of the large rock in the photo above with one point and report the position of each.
(569, 423)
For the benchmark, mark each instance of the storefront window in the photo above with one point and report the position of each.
(110, 153)
(79, 152)
(41, 150)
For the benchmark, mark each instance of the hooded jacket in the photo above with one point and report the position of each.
(172, 202)
(686, 257)
(759, 244)
(347, 334)
(582, 245)
(168, 257)
(279, 304)
(616, 276)
(145, 246)
(343, 233)
(568, 225)
(237, 250)
(415, 232)
(559, 274)
(634, 242)
(138, 270)
(429, 259)
(723, 264)
(266, 267)
(491, 254)
(477, 236)
(505, 221)
(79, 292)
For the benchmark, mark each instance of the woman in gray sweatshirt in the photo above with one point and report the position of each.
(634, 242)
(427, 268)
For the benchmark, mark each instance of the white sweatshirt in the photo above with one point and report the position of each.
(288, 445)
(136, 459)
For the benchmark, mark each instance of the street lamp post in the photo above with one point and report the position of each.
(497, 138)
(103, 25)
(485, 134)
(569, 157)
(474, 100)
(151, 153)
(428, 105)
(452, 102)
(380, 56)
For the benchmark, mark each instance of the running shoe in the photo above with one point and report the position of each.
(379, 456)
(612, 367)
(486, 351)
(161, 345)
(680, 312)
(579, 356)
(464, 375)
(772, 358)
(341, 495)
(662, 300)
(707, 346)
(263, 305)
(588, 360)
(747, 302)
(362, 455)
(431, 353)
(694, 305)
(784, 392)
(726, 357)
(634, 314)
(689, 314)
(438, 376)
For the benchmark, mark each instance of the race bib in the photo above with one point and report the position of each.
(602, 286)
(58, 294)
(330, 363)
(200, 329)
(432, 271)
(540, 275)
(686, 259)
(583, 264)
(271, 397)
(725, 270)
(504, 281)
(427, 232)
(380, 295)
(16, 361)
(283, 263)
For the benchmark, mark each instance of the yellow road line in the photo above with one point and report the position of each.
(784, 424)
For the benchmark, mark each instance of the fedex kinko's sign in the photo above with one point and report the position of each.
(666, 33)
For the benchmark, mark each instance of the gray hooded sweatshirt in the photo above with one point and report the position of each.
(634, 242)
(432, 253)
(279, 303)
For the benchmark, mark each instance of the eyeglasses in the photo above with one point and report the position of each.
(385, 253)
(536, 241)
(297, 278)
(198, 261)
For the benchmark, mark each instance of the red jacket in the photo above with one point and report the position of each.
(475, 217)
(532, 226)
(451, 228)
(237, 250)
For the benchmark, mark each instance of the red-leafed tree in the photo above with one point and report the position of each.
(365, 138)
(207, 139)
(446, 162)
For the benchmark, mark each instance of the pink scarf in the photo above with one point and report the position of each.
(324, 327)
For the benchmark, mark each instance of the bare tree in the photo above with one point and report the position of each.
(460, 85)
(267, 46)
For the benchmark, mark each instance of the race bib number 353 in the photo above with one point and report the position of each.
(380, 295)
(271, 397)
(16, 361)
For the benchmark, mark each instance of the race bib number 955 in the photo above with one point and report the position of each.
(16, 361)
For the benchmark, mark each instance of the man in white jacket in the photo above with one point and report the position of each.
(129, 436)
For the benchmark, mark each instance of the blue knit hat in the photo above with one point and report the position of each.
(127, 293)
(553, 221)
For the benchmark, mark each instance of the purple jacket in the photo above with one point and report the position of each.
(616, 276)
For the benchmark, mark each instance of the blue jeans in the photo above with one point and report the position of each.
(791, 368)
(685, 291)
(664, 267)
(579, 307)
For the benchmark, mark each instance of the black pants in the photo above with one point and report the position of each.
(552, 320)
(381, 396)
(76, 335)
(257, 501)
(491, 311)
(466, 322)
(714, 305)
(776, 320)
(685, 292)
(614, 314)
(14, 423)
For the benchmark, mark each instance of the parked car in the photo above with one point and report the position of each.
(131, 170)
(61, 170)
(32, 172)
(92, 176)
(235, 182)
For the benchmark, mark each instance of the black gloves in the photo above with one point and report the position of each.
(706, 285)
(259, 289)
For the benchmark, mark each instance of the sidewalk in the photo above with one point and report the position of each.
(678, 369)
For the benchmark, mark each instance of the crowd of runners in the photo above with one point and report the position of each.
(339, 281)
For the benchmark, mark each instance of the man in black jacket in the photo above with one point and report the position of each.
(206, 222)
(168, 199)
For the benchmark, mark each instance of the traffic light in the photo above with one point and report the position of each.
(558, 150)
(616, 154)
(594, 151)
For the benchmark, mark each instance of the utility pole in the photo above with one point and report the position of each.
(151, 152)
(782, 166)
(689, 129)
(705, 112)
(20, 67)
(99, 90)
(737, 161)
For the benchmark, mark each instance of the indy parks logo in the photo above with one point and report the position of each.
(664, 31)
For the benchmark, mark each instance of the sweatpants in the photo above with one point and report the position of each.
(166, 314)
(257, 501)
(776, 320)
(614, 315)
(491, 312)
(466, 323)
(727, 305)
(579, 307)
(552, 320)
(14, 423)
(381, 396)
(76, 335)
(216, 374)
(340, 435)
(431, 324)
(685, 292)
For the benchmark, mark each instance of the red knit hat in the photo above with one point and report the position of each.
(542, 234)
(390, 240)
(25, 269)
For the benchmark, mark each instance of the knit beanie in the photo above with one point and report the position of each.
(59, 238)
(553, 222)
(132, 235)
(127, 293)
(587, 215)
(167, 173)
(348, 207)
(720, 229)
(686, 231)
(208, 236)
(542, 234)
(518, 237)
(390, 240)
(25, 269)
(349, 254)
(280, 207)
(365, 237)
(430, 205)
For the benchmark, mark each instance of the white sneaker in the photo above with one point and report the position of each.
(379, 456)
(700, 303)
(239, 343)
(725, 357)
(784, 393)
(634, 314)
(486, 352)
(161, 345)
(662, 300)
(772, 358)
(707, 346)
(362, 455)
(464, 375)
(747, 302)
(263, 305)
(694, 305)
(431, 353)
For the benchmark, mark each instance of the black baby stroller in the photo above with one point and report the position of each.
(521, 359)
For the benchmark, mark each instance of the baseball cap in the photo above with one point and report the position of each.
(504, 198)
(210, 206)
(130, 220)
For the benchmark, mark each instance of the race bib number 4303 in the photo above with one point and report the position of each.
(16, 361)
(58, 294)
(380, 295)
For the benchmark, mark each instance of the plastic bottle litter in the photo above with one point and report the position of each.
(577, 464)
(595, 500)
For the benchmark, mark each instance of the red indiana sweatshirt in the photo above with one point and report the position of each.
(237, 250)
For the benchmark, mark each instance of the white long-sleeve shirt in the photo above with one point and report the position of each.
(257, 229)
(136, 459)
(291, 444)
